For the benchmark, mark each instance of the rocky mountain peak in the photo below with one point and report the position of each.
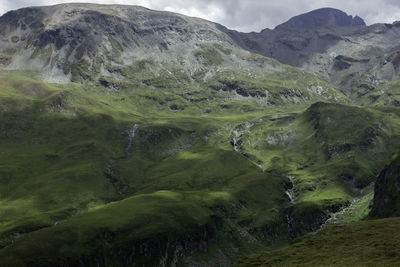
(323, 17)
(75, 42)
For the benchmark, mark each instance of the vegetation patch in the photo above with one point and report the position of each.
(208, 55)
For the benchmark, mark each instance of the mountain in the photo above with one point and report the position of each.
(81, 41)
(110, 45)
(335, 47)
(323, 17)
(134, 137)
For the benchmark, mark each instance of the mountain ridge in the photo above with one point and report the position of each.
(359, 59)
(81, 43)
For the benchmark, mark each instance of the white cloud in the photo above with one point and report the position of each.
(245, 15)
(212, 12)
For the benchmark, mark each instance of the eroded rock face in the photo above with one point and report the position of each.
(387, 192)
(77, 42)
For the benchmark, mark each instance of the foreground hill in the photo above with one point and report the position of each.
(366, 243)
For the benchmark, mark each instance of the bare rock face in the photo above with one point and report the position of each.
(334, 46)
(324, 17)
(75, 42)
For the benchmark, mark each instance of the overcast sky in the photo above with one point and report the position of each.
(245, 15)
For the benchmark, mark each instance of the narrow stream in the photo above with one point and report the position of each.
(289, 192)
(131, 133)
(237, 134)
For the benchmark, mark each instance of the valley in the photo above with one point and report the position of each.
(133, 137)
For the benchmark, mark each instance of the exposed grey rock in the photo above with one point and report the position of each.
(332, 45)
(87, 42)
(116, 45)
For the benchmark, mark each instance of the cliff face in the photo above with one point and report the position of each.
(387, 192)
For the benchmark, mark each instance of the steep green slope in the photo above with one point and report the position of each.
(369, 242)
(330, 152)
(67, 151)
(366, 243)
(350, 241)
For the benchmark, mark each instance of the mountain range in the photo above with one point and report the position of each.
(134, 137)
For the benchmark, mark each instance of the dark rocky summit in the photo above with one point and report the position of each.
(324, 17)
(334, 46)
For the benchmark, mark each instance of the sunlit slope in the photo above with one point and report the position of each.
(68, 151)
(99, 170)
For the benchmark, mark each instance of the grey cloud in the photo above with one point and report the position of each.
(247, 15)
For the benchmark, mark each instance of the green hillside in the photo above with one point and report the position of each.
(366, 243)
(94, 175)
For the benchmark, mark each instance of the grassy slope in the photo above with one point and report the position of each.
(66, 160)
(387, 95)
(329, 150)
(364, 243)
(162, 214)
(64, 154)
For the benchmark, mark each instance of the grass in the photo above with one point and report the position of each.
(325, 149)
(177, 160)
(365, 243)
(209, 55)
(55, 158)
(384, 95)
(67, 159)
(171, 214)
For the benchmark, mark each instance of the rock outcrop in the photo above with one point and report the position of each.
(387, 192)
